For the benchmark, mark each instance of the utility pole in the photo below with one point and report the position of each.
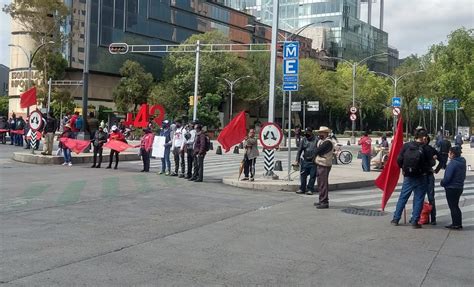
(196, 80)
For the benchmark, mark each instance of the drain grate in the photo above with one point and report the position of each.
(363, 211)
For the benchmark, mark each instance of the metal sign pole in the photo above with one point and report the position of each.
(289, 135)
(49, 94)
(196, 82)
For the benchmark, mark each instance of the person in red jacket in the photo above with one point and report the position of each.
(72, 123)
(118, 136)
(366, 150)
(145, 149)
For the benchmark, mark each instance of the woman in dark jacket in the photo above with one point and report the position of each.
(453, 183)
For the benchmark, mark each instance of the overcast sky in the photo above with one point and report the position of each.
(412, 25)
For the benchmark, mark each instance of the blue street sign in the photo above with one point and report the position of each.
(396, 102)
(290, 78)
(291, 49)
(290, 87)
(290, 67)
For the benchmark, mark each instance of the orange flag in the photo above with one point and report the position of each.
(28, 98)
(234, 132)
(388, 179)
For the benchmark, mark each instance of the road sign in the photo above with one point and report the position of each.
(296, 106)
(353, 110)
(36, 120)
(290, 78)
(353, 117)
(424, 104)
(270, 135)
(290, 86)
(396, 102)
(118, 48)
(290, 67)
(291, 49)
(450, 105)
(396, 111)
(313, 106)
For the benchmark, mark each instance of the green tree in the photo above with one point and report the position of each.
(134, 87)
(4, 106)
(62, 102)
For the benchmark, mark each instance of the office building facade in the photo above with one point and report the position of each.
(4, 76)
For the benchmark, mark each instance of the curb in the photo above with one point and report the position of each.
(38, 158)
(279, 185)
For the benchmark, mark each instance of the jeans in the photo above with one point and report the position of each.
(178, 157)
(452, 196)
(365, 162)
(249, 167)
(67, 155)
(418, 185)
(307, 168)
(431, 196)
(146, 159)
(165, 161)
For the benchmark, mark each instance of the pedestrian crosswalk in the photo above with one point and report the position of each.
(372, 198)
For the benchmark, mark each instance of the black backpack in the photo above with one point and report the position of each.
(413, 161)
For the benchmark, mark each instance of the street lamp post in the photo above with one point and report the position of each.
(231, 87)
(30, 57)
(354, 69)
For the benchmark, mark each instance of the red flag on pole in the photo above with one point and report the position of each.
(388, 179)
(234, 132)
(76, 146)
(28, 98)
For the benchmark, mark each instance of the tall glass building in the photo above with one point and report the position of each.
(337, 24)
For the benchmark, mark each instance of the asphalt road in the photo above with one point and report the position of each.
(71, 226)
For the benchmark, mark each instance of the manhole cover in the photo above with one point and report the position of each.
(363, 211)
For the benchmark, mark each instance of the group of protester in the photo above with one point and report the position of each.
(416, 160)
(18, 130)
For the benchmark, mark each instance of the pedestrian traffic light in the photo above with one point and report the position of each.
(118, 48)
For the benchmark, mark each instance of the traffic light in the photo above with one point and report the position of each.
(191, 100)
(118, 48)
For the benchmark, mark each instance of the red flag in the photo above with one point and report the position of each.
(76, 146)
(234, 132)
(388, 179)
(119, 146)
(28, 98)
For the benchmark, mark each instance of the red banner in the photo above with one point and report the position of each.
(3, 131)
(119, 146)
(76, 146)
(18, 132)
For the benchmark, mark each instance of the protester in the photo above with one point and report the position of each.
(307, 150)
(117, 136)
(453, 183)
(165, 160)
(20, 126)
(324, 156)
(48, 133)
(250, 156)
(414, 160)
(200, 149)
(4, 127)
(12, 127)
(177, 148)
(67, 133)
(443, 145)
(189, 137)
(432, 156)
(366, 151)
(146, 144)
(92, 124)
(73, 124)
(100, 138)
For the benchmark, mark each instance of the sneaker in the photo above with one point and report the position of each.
(252, 179)
(69, 164)
(316, 204)
(65, 163)
(300, 192)
(415, 225)
(245, 178)
(174, 174)
(167, 173)
(181, 176)
(394, 222)
(323, 206)
(309, 192)
(454, 227)
(192, 179)
(160, 172)
(93, 166)
(433, 223)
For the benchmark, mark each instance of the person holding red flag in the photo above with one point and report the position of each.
(234, 133)
(116, 135)
(67, 134)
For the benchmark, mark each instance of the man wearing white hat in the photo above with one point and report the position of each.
(324, 156)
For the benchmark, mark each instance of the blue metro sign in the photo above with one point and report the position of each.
(291, 50)
(396, 102)
(290, 66)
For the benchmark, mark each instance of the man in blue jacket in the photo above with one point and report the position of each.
(453, 183)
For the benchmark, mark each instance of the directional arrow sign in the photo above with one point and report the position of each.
(270, 135)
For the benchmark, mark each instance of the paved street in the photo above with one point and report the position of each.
(80, 226)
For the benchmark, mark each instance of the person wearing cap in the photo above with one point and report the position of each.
(324, 156)
(305, 158)
(146, 144)
(177, 148)
(453, 183)
(199, 154)
(188, 144)
(165, 160)
(250, 157)
(118, 136)
(67, 133)
(100, 138)
(366, 151)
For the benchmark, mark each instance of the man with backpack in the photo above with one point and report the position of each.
(201, 147)
(414, 160)
(305, 158)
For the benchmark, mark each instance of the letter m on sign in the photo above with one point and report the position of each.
(291, 49)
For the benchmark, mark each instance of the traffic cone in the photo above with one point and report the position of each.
(278, 166)
(219, 150)
(349, 142)
(236, 149)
